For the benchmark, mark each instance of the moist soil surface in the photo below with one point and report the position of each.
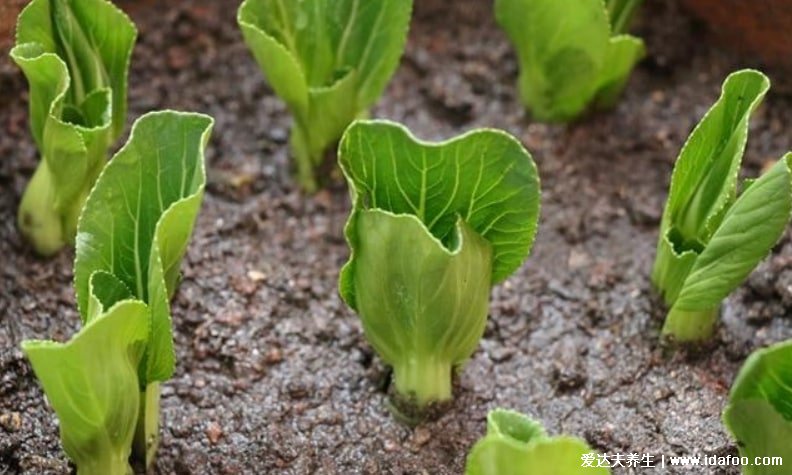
(274, 374)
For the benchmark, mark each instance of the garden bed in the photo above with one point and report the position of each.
(273, 372)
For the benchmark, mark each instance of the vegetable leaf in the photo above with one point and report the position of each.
(75, 55)
(433, 227)
(133, 232)
(750, 229)
(568, 59)
(484, 177)
(328, 60)
(518, 445)
(623, 53)
(91, 382)
(705, 174)
(759, 414)
(424, 313)
(711, 238)
(138, 219)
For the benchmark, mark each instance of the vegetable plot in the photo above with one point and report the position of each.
(433, 227)
(329, 60)
(711, 238)
(569, 59)
(132, 234)
(517, 445)
(759, 414)
(75, 55)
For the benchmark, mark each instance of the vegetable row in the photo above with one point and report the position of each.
(433, 226)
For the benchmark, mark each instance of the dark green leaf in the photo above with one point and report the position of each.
(138, 219)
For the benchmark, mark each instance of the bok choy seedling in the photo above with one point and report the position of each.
(568, 57)
(433, 227)
(132, 234)
(759, 414)
(517, 445)
(711, 238)
(329, 60)
(75, 55)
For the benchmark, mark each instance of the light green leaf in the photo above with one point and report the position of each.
(621, 56)
(138, 219)
(94, 38)
(282, 68)
(105, 290)
(750, 229)
(328, 116)
(705, 175)
(92, 384)
(425, 310)
(75, 55)
(514, 425)
(517, 445)
(711, 239)
(433, 227)
(767, 375)
(566, 54)
(328, 60)
(759, 414)
(485, 177)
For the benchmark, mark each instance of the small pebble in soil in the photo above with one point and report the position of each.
(273, 356)
(214, 432)
(11, 421)
(421, 436)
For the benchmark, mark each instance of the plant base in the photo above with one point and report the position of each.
(685, 326)
(425, 381)
(38, 220)
(144, 446)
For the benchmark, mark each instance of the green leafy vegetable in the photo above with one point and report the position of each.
(91, 383)
(759, 414)
(434, 226)
(517, 445)
(329, 60)
(132, 234)
(711, 239)
(75, 55)
(568, 57)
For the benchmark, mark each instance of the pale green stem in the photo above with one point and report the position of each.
(39, 222)
(106, 464)
(144, 446)
(670, 271)
(688, 326)
(425, 380)
(306, 160)
(47, 227)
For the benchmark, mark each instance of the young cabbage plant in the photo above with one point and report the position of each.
(329, 60)
(711, 238)
(569, 59)
(75, 55)
(759, 414)
(433, 227)
(132, 234)
(517, 445)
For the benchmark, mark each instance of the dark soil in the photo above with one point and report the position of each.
(274, 375)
